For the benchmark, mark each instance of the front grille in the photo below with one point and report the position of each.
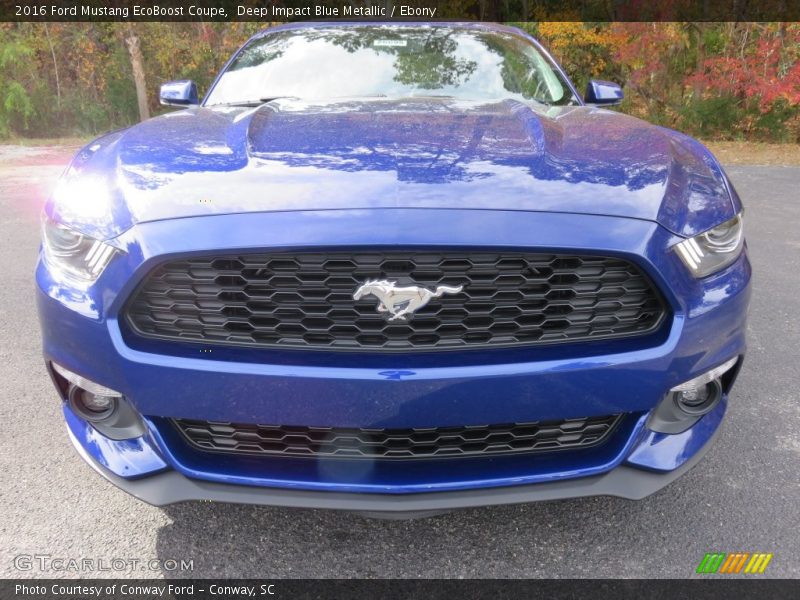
(305, 300)
(437, 442)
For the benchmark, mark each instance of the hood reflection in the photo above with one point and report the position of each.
(414, 152)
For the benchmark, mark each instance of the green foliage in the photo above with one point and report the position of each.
(714, 41)
(775, 124)
(16, 104)
(709, 116)
(714, 80)
(16, 108)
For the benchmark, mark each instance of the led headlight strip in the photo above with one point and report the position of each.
(713, 250)
(73, 253)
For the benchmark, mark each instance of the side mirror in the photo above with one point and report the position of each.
(603, 92)
(179, 93)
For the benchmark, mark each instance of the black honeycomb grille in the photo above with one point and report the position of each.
(305, 300)
(437, 442)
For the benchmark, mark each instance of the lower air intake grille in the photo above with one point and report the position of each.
(305, 300)
(397, 443)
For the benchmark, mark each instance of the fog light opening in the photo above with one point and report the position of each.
(90, 406)
(83, 382)
(108, 411)
(685, 404)
(699, 400)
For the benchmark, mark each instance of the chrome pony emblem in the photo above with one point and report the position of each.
(401, 302)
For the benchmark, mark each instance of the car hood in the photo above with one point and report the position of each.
(379, 153)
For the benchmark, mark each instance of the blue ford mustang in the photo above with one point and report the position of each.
(392, 269)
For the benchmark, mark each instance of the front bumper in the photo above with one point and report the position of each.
(83, 331)
(630, 481)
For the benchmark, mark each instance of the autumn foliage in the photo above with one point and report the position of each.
(715, 80)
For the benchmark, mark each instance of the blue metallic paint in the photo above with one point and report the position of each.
(498, 156)
(664, 452)
(127, 458)
(179, 93)
(560, 369)
(603, 92)
(489, 155)
(706, 326)
(509, 176)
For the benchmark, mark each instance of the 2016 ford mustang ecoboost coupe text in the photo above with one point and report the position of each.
(393, 269)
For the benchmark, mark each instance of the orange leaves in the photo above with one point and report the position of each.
(715, 79)
(746, 75)
(645, 48)
(583, 46)
(766, 70)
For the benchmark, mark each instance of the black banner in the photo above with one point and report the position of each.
(269, 11)
(740, 587)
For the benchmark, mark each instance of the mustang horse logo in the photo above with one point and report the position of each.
(401, 301)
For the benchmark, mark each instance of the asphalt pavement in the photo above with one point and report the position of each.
(744, 496)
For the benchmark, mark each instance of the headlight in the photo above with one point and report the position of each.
(74, 254)
(712, 250)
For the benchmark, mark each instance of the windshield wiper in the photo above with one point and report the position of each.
(253, 103)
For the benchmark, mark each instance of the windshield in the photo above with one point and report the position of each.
(391, 61)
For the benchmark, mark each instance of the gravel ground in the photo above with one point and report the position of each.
(743, 496)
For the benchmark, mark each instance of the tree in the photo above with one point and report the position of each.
(137, 66)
